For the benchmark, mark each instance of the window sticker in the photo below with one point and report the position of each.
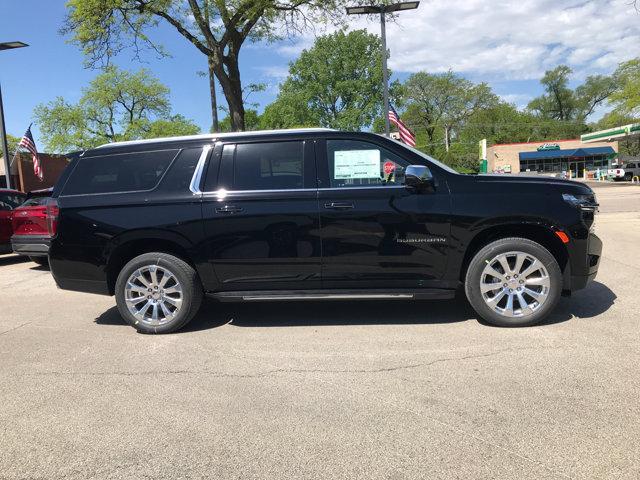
(353, 164)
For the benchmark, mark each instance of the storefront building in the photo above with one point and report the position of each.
(551, 157)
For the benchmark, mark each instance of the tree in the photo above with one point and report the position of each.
(117, 105)
(289, 110)
(12, 143)
(444, 101)
(251, 119)
(217, 28)
(562, 103)
(626, 98)
(558, 102)
(337, 83)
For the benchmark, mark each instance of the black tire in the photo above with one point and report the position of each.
(628, 176)
(189, 282)
(42, 261)
(492, 250)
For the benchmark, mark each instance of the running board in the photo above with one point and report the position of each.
(298, 295)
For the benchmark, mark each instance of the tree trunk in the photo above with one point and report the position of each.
(232, 88)
(214, 102)
(446, 137)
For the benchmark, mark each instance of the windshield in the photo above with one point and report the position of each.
(425, 156)
(35, 201)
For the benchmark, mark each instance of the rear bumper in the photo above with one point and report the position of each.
(31, 245)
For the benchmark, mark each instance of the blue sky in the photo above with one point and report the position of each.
(508, 44)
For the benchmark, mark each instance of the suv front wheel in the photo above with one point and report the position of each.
(158, 293)
(513, 282)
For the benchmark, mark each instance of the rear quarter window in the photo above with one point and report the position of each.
(125, 172)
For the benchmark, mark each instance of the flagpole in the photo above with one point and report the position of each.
(385, 80)
(5, 147)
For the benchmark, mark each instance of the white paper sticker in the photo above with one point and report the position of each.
(351, 164)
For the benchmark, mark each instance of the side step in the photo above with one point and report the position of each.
(297, 295)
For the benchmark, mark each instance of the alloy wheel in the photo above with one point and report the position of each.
(515, 284)
(153, 295)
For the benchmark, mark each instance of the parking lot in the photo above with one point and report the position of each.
(326, 390)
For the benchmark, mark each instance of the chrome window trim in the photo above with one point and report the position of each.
(194, 186)
(285, 190)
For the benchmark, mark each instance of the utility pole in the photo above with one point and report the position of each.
(382, 10)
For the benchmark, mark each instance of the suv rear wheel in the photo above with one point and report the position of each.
(158, 293)
(513, 282)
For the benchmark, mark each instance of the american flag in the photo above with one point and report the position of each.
(28, 143)
(406, 135)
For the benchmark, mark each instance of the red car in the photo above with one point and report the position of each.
(30, 231)
(9, 201)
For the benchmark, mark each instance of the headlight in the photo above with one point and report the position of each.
(584, 202)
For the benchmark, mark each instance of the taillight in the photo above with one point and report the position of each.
(618, 172)
(52, 216)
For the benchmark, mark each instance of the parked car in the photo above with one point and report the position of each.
(9, 200)
(312, 215)
(30, 233)
(625, 172)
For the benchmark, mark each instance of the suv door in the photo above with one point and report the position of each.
(376, 233)
(260, 212)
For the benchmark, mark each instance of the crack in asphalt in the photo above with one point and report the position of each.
(14, 328)
(276, 371)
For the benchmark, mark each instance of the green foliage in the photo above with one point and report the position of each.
(443, 101)
(562, 103)
(12, 143)
(217, 28)
(336, 83)
(289, 110)
(173, 126)
(251, 118)
(117, 105)
(626, 99)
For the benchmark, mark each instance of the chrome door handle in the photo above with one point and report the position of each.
(229, 209)
(339, 205)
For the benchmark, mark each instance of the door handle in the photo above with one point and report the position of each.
(229, 209)
(339, 205)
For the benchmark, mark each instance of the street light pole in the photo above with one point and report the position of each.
(3, 131)
(5, 146)
(383, 10)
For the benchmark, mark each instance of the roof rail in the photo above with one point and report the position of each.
(215, 136)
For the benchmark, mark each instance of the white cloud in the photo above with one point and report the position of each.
(519, 99)
(506, 39)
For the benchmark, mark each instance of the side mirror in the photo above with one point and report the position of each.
(419, 178)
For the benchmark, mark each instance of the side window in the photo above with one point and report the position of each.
(353, 163)
(631, 165)
(137, 171)
(179, 176)
(9, 201)
(265, 166)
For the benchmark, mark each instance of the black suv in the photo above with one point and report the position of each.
(312, 214)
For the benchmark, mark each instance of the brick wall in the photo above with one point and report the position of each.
(498, 156)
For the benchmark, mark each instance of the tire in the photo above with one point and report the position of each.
(42, 261)
(166, 308)
(488, 287)
(628, 177)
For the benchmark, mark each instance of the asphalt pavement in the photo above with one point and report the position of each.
(354, 390)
